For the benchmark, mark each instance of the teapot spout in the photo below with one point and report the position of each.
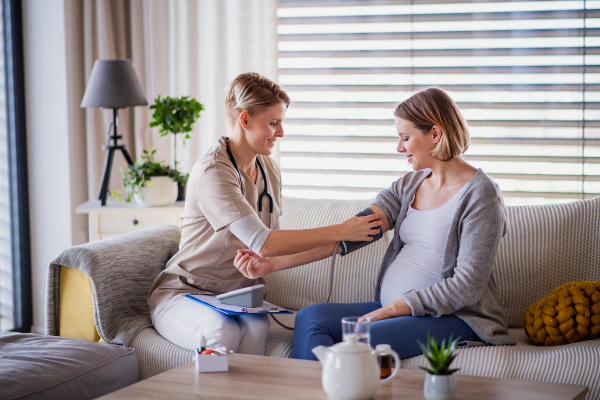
(320, 352)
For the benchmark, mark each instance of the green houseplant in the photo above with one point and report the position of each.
(440, 382)
(139, 176)
(175, 115)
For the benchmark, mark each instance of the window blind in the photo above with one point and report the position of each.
(526, 75)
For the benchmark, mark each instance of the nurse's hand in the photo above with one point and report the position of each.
(251, 265)
(361, 229)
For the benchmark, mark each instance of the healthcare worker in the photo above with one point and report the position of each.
(233, 202)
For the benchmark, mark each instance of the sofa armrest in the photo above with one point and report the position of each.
(122, 270)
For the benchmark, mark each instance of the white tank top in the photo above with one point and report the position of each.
(419, 263)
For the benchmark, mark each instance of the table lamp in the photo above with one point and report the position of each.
(113, 84)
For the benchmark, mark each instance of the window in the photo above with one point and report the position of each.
(525, 74)
(15, 265)
(6, 293)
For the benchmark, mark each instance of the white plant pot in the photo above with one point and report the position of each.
(162, 192)
(439, 387)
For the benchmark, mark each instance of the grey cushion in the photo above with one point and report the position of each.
(50, 367)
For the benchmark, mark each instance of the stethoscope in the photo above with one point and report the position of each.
(264, 175)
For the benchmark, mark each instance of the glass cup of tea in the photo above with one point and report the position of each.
(350, 325)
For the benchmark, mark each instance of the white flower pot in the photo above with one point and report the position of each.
(439, 387)
(162, 192)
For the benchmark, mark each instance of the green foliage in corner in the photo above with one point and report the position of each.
(440, 356)
(140, 173)
(175, 115)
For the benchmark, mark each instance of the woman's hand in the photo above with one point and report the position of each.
(395, 309)
(251, 265)
(361, 229)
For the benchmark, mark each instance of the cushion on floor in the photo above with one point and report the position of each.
(51, 367)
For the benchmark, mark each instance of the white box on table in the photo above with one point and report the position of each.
(211, 362)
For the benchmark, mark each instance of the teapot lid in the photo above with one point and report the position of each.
(383, 348)
(351, 345)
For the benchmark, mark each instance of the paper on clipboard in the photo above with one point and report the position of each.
(211, 301)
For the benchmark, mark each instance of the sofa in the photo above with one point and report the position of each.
(97, 291)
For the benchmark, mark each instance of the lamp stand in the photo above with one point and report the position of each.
(111, 147)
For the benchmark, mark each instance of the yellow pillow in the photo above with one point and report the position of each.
(571, 313)
(76, 306)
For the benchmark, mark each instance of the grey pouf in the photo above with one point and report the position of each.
(52, 367)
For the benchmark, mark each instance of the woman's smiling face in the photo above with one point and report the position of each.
(414, 144)
(265, 128)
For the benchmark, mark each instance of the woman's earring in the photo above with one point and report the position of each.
(244, 128)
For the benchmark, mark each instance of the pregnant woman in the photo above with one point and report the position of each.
(448, 219)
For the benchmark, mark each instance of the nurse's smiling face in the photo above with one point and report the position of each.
(264, 129)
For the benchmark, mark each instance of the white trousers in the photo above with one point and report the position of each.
(182, 321)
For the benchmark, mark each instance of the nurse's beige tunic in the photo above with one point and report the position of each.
(214, 199)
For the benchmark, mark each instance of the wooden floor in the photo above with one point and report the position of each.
(254, 377)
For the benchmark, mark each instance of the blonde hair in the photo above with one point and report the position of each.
(433, 106)
(253, 93)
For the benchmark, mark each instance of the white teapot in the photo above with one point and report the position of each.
(351, 369)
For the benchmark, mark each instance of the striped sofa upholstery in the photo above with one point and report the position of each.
(545, 247)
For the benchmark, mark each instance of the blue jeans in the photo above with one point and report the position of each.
(320, 324)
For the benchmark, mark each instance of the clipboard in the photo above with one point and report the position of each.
(212, 302)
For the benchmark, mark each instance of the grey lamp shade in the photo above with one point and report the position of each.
(113, 84)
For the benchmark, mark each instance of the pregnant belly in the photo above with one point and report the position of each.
(413, 269)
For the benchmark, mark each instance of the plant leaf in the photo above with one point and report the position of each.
(440, 356)
(428, 370)
(174, 115)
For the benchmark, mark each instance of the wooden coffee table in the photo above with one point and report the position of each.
(255, 377)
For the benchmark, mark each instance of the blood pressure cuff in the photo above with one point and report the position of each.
(349, 247)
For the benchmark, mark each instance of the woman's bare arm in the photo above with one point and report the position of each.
(287, 242)
(253, 266)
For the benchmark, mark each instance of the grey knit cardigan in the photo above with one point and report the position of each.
(466, 286)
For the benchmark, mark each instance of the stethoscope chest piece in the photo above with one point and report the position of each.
(265, 191)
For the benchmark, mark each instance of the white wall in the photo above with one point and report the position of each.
(55, 139)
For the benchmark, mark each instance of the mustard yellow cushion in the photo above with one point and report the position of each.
(571, 313)
(76, 307)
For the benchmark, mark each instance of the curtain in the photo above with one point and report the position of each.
(178, 48)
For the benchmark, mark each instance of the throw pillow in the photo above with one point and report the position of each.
(571, 313)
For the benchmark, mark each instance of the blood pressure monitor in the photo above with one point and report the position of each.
(251, 296)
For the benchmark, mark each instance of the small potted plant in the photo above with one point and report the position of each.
(440, 382)
(175, 115)
(151, 183)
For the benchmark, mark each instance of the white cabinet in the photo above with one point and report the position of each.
(116, 218)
